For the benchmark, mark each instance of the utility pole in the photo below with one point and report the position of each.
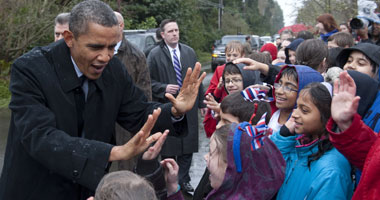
(220, 14)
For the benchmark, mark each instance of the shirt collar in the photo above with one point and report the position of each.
(117, 47)
(171, 49)
(77, 70)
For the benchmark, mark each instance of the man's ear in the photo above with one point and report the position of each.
(162, 35)
(68, 36)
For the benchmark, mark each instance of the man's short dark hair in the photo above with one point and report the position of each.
(91, 11)
(164, 22)
(62, 18)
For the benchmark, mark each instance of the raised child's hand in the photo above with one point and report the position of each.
(344, 103)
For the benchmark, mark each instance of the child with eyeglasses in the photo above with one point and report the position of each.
(290, 80)
(314, 168)
(234, 79)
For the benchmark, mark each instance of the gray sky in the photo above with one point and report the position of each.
(289, 9)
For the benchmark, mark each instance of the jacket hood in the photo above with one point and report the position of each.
(367, 88)
(305, 74)
(262, 169)
(370, 50)
(249, 77)
(292, 46)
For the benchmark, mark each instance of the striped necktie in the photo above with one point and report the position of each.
(177, 68)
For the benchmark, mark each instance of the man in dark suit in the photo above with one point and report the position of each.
(66, 98)
(167, 64)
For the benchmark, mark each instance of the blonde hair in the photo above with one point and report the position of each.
(235, 45)
(124, 184)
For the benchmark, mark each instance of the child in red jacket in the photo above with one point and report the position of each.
(354, 139)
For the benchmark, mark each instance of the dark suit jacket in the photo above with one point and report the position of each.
(45, 158)
(162, 73)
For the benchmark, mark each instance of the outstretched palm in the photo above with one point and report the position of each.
(344, 103)
(189, 91)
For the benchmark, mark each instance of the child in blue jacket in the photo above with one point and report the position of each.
(314, 168)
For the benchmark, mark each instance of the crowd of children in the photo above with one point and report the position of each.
(294, 121)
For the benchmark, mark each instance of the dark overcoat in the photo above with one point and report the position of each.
(162, 73)
(45, 157)
(135, 62)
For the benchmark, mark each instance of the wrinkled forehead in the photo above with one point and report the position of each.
(170, 26)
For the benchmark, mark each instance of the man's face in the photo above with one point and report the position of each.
(285, 36)
(93, 50)
(376, 29)
(58, 31)
(171, 34)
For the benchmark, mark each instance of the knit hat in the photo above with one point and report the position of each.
(271, 49)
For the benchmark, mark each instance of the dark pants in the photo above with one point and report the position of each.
(184, 163)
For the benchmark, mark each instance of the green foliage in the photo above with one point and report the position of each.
(25, 24)
(5, 95)
(149, 22)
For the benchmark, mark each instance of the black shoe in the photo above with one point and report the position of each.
(187, 187)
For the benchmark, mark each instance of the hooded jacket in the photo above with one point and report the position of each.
(249, 77)
(305, 74)
(370, 50)
(292, 46)
(329, 177)
(262, 170)
(368, 90)
(361, 146)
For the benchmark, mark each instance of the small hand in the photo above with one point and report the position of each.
(344, 103)
(189, 91)
(290, 124)
(212, 103)
(220, 83)
(253, 65)
(172, 89)
(171, 174)
(154, 150)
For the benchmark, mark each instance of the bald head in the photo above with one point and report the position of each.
(120, 21)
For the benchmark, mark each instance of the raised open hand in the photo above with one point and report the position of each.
(344, 102)
(138, 143)
(189, 91)
(212, 103)
(154, 150)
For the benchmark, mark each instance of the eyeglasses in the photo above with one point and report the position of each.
(284, 87)
(234, 80)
